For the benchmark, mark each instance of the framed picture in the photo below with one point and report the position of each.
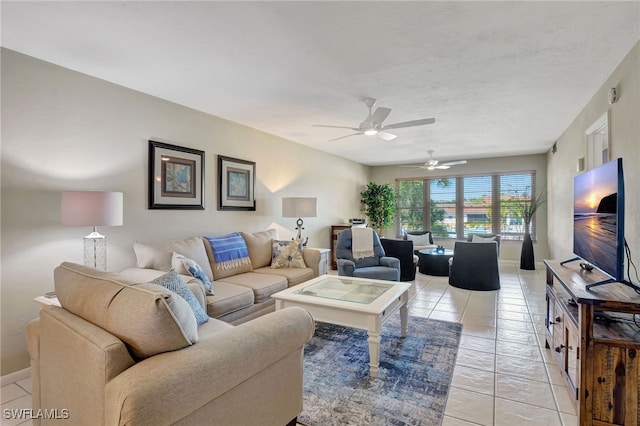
(176, 177)
(236, 184)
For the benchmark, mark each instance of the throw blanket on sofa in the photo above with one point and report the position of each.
(362, 242)
(230, 251)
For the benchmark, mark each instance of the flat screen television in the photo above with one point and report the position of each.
(598, 219)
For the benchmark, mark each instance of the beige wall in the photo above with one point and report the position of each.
(624, 131)
(62, 130)
(510, 250)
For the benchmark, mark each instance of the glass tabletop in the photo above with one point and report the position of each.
(345, 289)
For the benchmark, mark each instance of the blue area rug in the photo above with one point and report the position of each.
(412, 384)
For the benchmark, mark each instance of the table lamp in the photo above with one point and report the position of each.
(300, 207)
(93, 208)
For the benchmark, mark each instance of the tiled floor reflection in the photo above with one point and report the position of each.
(504, 375)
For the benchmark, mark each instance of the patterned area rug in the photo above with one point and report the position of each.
(413, 380)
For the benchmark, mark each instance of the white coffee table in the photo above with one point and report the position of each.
(351, 302)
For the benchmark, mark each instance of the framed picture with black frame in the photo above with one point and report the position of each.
(236, 184)
(176, 177)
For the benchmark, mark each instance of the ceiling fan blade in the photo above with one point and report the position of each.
(441, 167)
(454, 163)
(335, 127)
(386, 136)
(380, 115)
(412, 123)
(346, 136)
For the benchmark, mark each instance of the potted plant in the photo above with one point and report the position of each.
(380, 204)
(527, 209)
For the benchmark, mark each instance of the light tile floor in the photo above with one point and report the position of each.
(503, 374)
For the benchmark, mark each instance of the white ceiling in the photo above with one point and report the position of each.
(501, 78)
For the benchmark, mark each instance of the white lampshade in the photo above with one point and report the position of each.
(92, 208)
(299, 207)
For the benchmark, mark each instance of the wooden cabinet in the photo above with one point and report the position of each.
(335, 230)
(594, 336)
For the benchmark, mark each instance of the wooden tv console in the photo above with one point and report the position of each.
(595, 342)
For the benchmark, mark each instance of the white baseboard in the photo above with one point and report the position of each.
(16, 376)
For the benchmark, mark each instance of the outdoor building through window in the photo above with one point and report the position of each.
(454, 207)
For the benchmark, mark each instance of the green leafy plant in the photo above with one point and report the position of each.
(380, 204)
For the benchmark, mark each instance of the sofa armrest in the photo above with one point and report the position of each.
(197, 288)
(312, 259)
(76, 361)
(390, 262)
(345, 267)
(169, 387)
(33, 346)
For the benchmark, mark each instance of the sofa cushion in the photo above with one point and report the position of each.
(228, 298)
(157, 255)
(213, 326)
(259, 245)
(172, 281)
(287, 254)
(262, 285)
(185, 266)
(148, 322)
(294, 276)
(231, 268)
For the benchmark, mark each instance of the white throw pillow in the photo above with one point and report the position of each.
(185, 266)
(419, 240)
(478, 239)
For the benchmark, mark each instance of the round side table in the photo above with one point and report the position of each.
(430, 262)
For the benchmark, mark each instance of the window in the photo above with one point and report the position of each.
(442, 207)
(454, 207)
(477, 204)
(515, 189)
(410, 205)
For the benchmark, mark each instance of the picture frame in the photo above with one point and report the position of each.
(176, 177)
(236, 184)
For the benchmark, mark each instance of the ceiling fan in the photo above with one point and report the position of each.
(372, 125)
(432, 164)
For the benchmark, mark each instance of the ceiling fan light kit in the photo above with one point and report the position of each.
(372, 125)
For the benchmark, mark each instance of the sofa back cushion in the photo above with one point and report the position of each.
(148, 318)
(260, 245)
(157, 255)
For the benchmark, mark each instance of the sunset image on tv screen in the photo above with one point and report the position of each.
(595, 217)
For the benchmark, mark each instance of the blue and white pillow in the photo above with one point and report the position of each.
(181, 263)
(172, 281)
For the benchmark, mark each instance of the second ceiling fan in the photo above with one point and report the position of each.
(372, 125)
(432, 164)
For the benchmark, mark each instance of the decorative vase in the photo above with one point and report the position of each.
(527, 259)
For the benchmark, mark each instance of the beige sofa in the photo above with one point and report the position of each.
(240, 293)
(121, 353)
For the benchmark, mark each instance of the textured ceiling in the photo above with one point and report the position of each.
(501, 78)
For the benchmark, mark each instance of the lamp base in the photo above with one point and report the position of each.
(95, 251)
(299, 222)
